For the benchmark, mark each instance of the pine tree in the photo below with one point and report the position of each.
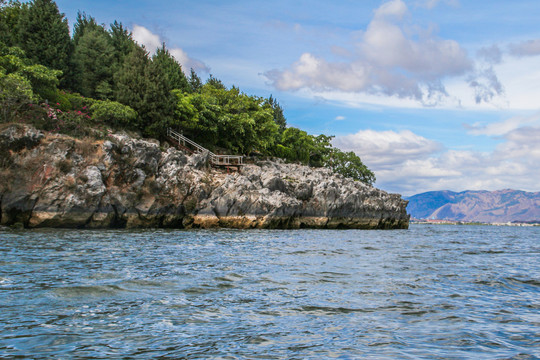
(130, 82)
(172, 70)
(44, 35)
(92, 60)
(10, 12)
(122, 42)
(160, 102)
(195, 82)
(141, 85)
(84, 22)
(279, 118)
(215, 82)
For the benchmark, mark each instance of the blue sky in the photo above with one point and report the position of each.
(431, 94)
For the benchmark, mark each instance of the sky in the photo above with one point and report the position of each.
(431, 94)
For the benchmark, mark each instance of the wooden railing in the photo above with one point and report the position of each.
(218, 160)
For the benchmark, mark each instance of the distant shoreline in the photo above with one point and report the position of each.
(451, 222)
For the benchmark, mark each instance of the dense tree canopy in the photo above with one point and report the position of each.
(9, 21)
(122, 43)
(110, 80)
(92, 59)
(172, 70)
(43, 34)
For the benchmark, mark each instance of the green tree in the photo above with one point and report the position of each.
(296, 145)
(350, 165)
(321, 150)
(92, 60)
(43, 81)
(266, 130)
(227, 119)
(10, 12)
(244, 123)
(197, 117)
(82, 24)
(160, 101)
(195, 82)
(172, 70)
(122, 42)
(279, 118)
(141, 85)
(15, 94)
(130, 82)
(214, 82)
(44, 35)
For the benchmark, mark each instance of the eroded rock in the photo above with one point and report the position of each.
(126, 182)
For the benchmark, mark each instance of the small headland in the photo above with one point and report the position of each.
(54, 180)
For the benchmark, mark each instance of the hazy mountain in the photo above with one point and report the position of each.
(483, 206)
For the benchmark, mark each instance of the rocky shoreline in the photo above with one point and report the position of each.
(123, 182)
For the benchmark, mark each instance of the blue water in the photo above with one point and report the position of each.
(431, 292)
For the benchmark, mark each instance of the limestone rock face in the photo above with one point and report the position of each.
(122, 182)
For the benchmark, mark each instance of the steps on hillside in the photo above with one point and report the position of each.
(191, 146)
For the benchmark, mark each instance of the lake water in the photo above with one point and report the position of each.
(430, 292)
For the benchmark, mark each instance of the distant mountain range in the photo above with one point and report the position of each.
(476, 206)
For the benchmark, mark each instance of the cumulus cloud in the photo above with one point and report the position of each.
(407, 163)
(145, 37)
(390, 59)
(522, 145)
(526, 48)
(386, 149)
(152, 42)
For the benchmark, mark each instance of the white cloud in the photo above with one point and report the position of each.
(386, 149)
(522, 146)
(339, 118)
(407, 163)
(152, 42)
(318, 74)
(145, 37)
(526, 48)
(187, 62)
(391, 9)
(391, 59)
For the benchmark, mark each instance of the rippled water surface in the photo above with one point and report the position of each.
(431, 292)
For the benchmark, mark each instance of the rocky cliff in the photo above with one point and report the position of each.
(124, 182)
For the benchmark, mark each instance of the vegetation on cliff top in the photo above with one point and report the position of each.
(100, 78)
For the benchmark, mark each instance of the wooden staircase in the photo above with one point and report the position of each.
(215, 160)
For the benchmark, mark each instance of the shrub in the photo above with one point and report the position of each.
(113, 113)
(284, 152)
(15, 95)
(75, 123)
(62, 101)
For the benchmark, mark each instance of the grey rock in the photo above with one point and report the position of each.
(140, 176)
(18, 137)
(132, 183)
(199, 161)
(275, 183)
(94, 185)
